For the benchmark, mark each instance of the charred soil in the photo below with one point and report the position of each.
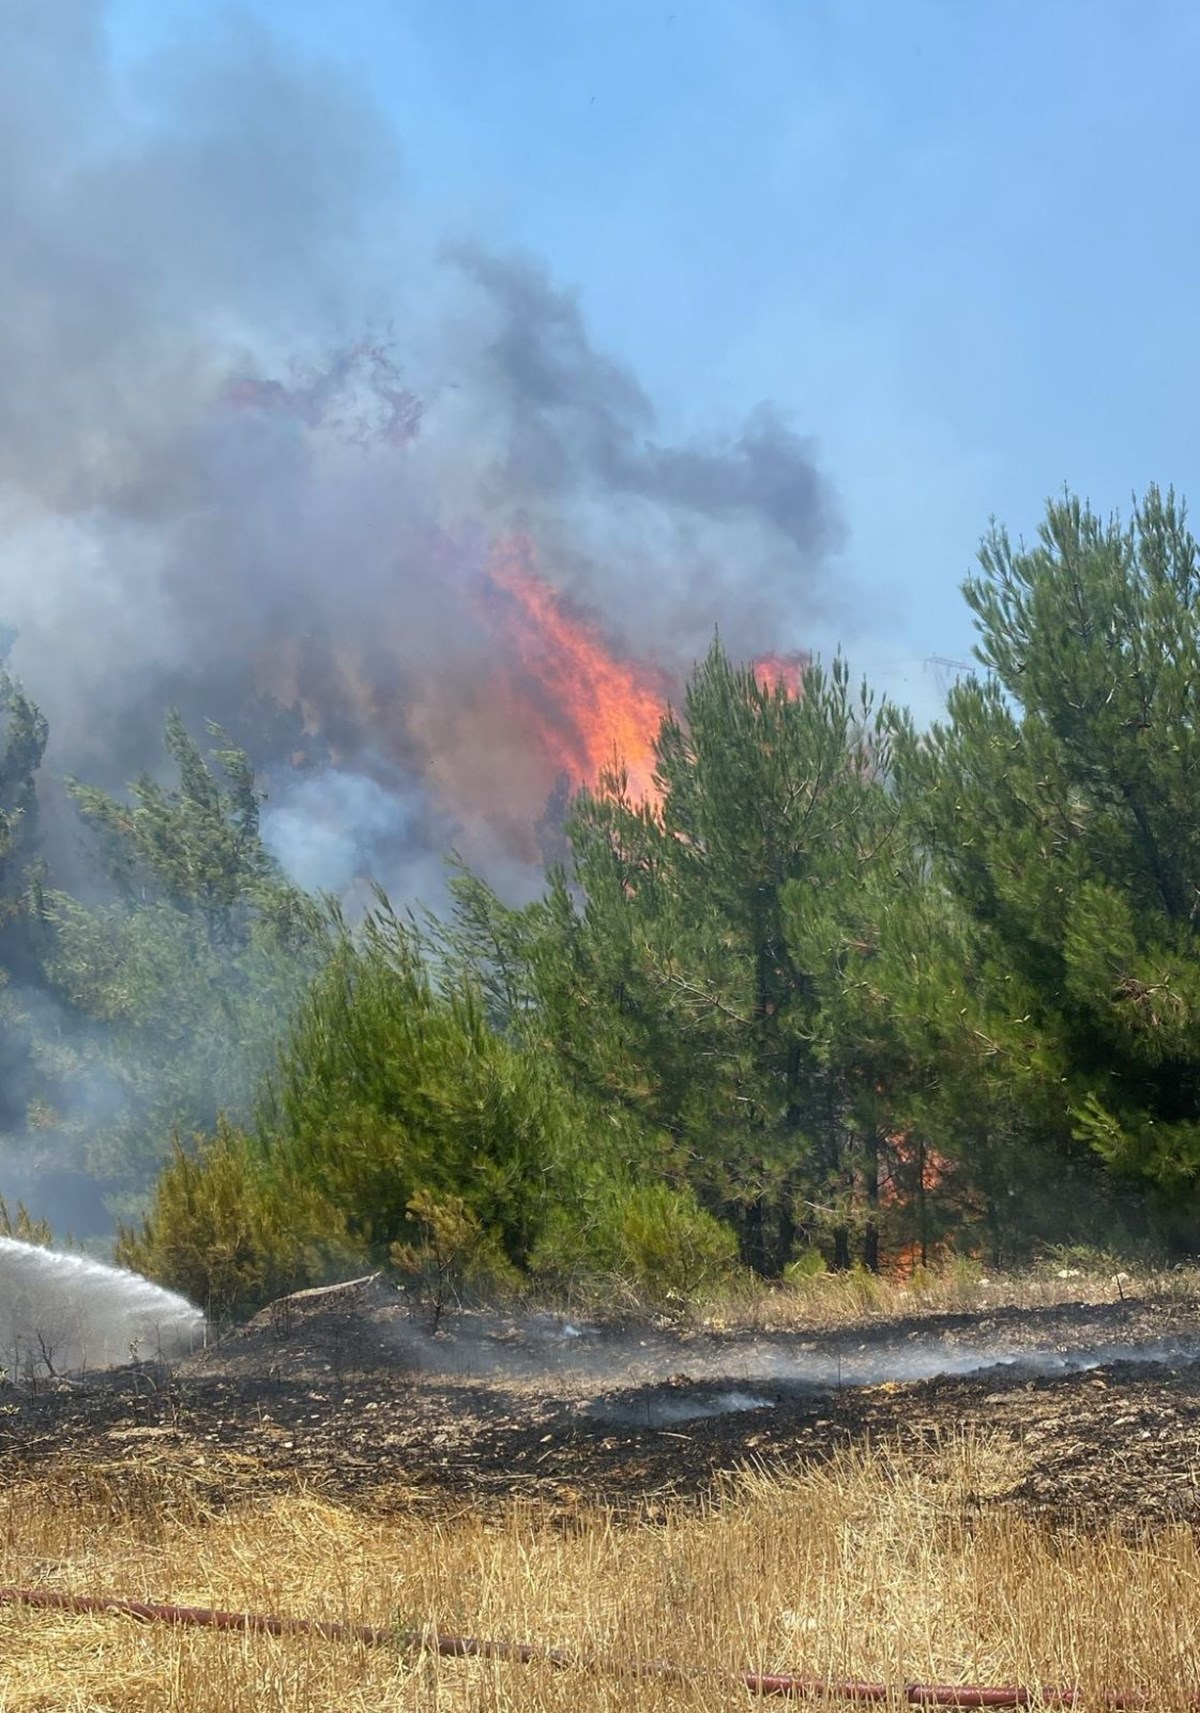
(349, 1394)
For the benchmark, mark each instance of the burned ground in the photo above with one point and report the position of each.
(349, 1394)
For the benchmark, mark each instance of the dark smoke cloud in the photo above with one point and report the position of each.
(581, 425)
(210, 440)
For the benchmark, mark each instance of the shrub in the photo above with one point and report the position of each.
(652, 1239)
(453, 1253)
(22, 1225)
(808, 1264)
(228, 1233)
(398, 1125)
(390, 1086)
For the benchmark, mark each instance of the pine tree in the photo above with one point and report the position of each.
(1060, 803)
(23, 735)
(182, 986)
(679, 971)
(197, 847)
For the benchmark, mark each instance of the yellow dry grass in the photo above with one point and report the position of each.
(829, 1301)
(881, 1564)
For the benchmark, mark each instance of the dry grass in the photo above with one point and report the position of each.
(877, 1565)
(829, 1301)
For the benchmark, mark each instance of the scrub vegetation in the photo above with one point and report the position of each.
(840, 994)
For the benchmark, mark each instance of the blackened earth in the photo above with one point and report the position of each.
(350, 1394)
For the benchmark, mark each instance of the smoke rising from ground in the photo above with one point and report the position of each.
(649, 1374)
(227, 481)
(657, 1377)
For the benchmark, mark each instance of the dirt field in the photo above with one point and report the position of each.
(347, 1396)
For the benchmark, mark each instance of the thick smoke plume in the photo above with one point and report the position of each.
(259, 445)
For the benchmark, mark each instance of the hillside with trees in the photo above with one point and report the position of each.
(843, 992)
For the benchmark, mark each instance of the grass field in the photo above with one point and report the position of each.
(879, 1564)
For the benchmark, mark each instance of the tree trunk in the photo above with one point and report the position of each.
(871, 1183)
(756, 1236)
(922, 1204)
(787, 1230)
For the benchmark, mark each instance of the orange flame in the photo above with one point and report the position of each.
(933, 1170)
(528, 700)
(553, 704)
(583, 707)
(781, 672)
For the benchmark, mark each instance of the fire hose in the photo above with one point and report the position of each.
(530, 1653)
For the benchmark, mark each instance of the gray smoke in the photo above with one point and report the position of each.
(255, 441)
(581, 424)
(666, 1374)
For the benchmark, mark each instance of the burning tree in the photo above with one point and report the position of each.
(697, 966)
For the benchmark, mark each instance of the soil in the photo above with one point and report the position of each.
(350, 1394)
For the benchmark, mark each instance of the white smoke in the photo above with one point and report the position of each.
(338, 831)
(658, 1374)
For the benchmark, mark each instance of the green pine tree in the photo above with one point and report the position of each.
(183, 985)
(1060, 805)
(676, 973)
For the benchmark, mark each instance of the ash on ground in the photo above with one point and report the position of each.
(350, 1391)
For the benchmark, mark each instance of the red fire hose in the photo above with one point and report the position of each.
(527, 1653)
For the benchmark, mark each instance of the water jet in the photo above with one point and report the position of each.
(61, 1314)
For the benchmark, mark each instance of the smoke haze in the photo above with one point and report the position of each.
(257, 445)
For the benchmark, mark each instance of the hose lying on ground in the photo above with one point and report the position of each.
(529, 1653)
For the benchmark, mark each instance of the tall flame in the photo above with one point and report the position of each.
(493, 695)
(527, 700)
(584, 707)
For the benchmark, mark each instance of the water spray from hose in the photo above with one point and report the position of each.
(61, 1314)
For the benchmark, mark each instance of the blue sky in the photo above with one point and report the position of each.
(955, 242)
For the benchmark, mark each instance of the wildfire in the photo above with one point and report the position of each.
(781, 671)
(510, 698)
(528, 701)
(584, 708)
